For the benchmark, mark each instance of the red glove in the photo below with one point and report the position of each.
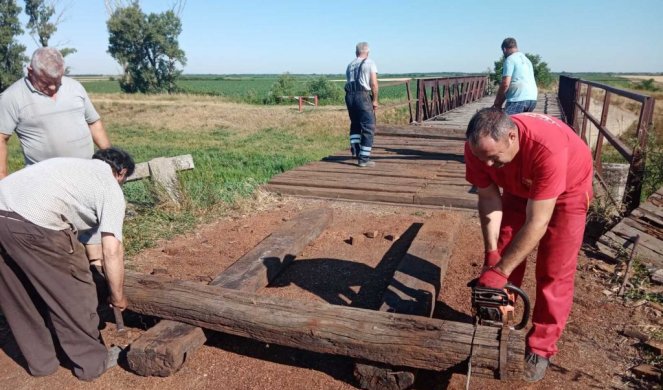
(492, 278)
(491, 258)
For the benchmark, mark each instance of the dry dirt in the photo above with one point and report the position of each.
(593, 353)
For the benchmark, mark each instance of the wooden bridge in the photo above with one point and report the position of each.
(415, 164)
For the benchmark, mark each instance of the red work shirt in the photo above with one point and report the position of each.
(552, 161)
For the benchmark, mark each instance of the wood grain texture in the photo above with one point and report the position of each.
(164, 348)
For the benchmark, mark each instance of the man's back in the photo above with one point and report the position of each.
(523, 84)
(48, 127)
(61, 192)
(365, 75)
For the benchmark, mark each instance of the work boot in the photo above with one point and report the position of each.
(535, 367)
(367, 163)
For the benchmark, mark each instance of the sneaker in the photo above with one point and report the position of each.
(364, 164)
(112, 357)
(535, 367)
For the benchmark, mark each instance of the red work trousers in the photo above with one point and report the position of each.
(555, 264)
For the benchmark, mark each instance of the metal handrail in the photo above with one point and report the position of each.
(575, 104)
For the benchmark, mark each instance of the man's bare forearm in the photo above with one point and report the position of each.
(114, 268)
(501, 93)
(539, 214)
(4, 170)
(99, 135)
(490, 215)
(522, 245)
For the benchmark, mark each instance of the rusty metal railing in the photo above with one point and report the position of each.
(436, 96)
(575, 96)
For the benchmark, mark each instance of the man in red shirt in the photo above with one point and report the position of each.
(545, 172)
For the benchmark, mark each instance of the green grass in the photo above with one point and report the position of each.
(228, 167)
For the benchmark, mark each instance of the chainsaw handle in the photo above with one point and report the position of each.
(516, 290)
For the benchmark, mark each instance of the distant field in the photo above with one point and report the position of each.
(658, 79)
(250, 89)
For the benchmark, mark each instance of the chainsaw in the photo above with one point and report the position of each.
(495, 307)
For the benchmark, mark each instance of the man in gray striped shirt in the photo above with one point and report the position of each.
(50, 113)
(45, 281)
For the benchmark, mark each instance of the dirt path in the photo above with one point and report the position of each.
(593, 354)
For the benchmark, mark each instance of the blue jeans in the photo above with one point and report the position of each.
(513, 108)
(362, 123)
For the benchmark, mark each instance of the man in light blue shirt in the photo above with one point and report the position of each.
(518, 85)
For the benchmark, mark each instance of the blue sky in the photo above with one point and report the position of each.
(311, 36)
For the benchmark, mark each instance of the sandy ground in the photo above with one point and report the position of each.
(593, 352)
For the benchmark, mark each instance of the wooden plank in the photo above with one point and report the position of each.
(409, 173)
(413, 290)
(627, 232)
(421, 161)
(346, 177)
(376, 177)
(164, 348)
(376, 196)
(446, 195)
(651, 209)
(397, 339)
(344, 185)
(142, 170)
(610, 244)
(419, 132)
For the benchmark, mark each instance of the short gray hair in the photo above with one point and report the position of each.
(47, 61)
(362, 47)
(491, 122)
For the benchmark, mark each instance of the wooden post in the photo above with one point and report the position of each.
(395, 339)
(163, 171)
(413, 290)
(164, 348)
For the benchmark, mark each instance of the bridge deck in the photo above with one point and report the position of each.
(415, 165)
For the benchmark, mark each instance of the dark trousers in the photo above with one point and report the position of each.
(47, 296)
(362, 123)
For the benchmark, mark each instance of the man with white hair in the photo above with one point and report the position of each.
(51, 114)
(361, 98)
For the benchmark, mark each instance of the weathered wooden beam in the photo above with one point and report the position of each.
(413, 290)
(163, 172)
(164, 348)
(396, 339)
(181, 163)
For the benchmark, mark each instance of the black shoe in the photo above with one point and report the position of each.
(535, 367)
(364, 164)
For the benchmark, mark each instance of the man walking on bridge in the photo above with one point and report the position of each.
(545, 172)
(361, 98)
(518, 86)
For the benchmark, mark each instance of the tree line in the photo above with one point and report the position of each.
(145, 45)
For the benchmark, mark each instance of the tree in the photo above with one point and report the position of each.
(324, 89)
(542, 73)
(41, 23)
(12, 55)
(147, 47)
(284, 86)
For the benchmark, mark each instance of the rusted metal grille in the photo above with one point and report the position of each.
(436, 96)
(576, 97)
